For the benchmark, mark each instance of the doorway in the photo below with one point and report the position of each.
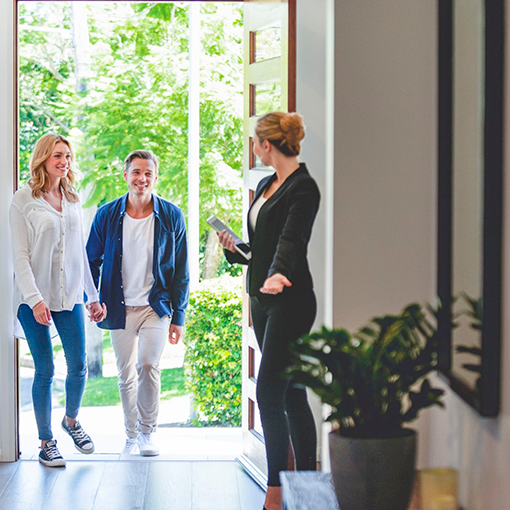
(114, 77)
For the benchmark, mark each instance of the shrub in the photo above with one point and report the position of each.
(213, 350)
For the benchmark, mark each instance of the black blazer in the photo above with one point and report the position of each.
(279, 243)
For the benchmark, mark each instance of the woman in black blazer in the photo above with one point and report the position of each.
(283, 305)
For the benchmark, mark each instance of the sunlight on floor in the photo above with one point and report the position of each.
(105, 426)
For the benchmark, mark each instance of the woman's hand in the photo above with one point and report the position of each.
(97, 312)
(226, 240)
(42, 313)
(275, 284)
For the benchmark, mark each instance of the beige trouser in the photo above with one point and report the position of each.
(138, 349)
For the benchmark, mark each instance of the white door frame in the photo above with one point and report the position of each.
(8, 427)
(314, 56)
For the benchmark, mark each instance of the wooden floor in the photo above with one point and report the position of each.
(128, 485)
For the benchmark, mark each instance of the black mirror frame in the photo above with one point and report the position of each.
(487, 400)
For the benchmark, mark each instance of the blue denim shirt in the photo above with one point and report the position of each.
(170, 292)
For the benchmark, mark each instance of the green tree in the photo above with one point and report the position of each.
(221, 125)
(136, 96)
(45, 68)
(138, 101)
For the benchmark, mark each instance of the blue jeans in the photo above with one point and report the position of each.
(71, 329)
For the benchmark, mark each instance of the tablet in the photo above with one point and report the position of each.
(239, 244)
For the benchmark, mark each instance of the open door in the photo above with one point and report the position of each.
(269, 85)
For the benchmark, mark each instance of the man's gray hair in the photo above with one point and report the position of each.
(140, 154)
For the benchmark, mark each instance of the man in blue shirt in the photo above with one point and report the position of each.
(137, 245)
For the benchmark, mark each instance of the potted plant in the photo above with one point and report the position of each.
(375, 381)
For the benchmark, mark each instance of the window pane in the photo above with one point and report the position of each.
(254, 423)
(268, 43)
(267, 97)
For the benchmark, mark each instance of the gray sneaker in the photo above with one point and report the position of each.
(50, 456)
(146, 445)
(81, 439)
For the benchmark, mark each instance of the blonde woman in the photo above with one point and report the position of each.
(282, 299)
(51, 274)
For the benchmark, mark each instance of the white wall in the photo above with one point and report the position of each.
(311, 70)
(7, 425)
(311, 103)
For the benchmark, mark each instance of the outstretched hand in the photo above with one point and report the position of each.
(275, 284)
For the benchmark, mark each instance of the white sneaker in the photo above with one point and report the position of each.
(130, 446)
(146, 445)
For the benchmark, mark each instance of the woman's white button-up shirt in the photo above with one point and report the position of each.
(49, 258)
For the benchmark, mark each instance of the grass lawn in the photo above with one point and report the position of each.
(105, 391)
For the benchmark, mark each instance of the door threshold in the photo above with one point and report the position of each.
(253, 471)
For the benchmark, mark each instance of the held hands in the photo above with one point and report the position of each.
(226, 240)
(275, 284)
(42, 313)
(97, 312)
(174, 333)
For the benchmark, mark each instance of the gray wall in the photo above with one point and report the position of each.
(385, 157)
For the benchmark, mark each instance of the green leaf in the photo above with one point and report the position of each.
(370, 378)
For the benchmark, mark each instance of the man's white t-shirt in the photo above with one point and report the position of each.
(137, 257)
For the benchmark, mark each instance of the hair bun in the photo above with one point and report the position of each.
(293, 128)
(284, 130)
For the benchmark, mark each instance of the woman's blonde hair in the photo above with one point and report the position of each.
(39, 178)
(283, 130)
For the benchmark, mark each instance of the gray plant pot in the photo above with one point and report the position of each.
(373, 474)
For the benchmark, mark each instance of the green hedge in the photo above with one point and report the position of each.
(213, 350)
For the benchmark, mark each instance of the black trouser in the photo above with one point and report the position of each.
(284, 409)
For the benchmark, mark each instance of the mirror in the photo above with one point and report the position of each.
(467, 180)
(470, 197)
